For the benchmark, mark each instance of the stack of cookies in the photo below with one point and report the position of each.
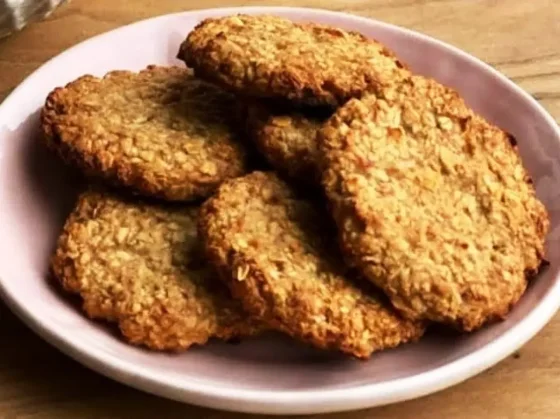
(292, 177)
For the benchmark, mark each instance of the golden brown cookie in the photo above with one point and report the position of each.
(160, 132)
(433, 203)
(287, 140)
(139, 264)
(278, 254)
(272, 57)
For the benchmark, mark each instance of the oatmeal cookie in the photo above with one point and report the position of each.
(278, 254)
(272, 57)
(287, 140)
(160, 132)
(139, 264)
(433, 203)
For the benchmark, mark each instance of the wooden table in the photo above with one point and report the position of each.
(519, 37)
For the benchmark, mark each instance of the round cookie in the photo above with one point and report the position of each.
(276, 253)
(160, 132)
(433, 203)
(139, 265)
(287, 140)
(272, 57)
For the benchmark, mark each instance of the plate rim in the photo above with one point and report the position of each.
(309, 401)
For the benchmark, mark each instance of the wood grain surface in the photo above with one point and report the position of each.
(519, 37)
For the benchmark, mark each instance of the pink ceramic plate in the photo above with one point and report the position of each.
(269, 374)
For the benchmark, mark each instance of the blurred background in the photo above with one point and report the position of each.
(16, 14)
